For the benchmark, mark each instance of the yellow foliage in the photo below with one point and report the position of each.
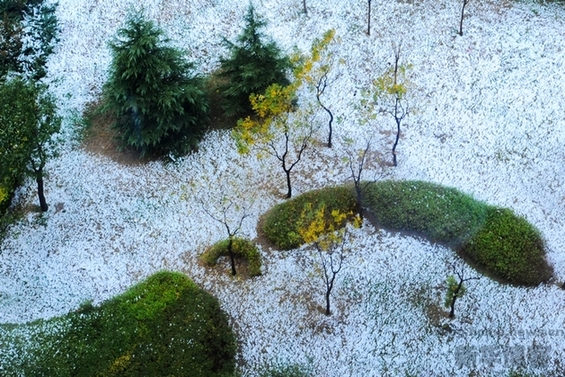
(4, 194)
(119, 365)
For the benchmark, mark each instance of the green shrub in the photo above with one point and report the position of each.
(159, 106)
(242, 248)
(163, 326)
(439, 213)
(251, 67)
(280, 224)
(511, 248)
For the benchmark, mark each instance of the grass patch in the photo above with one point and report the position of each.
(441, 214)
(497, 240)
(280, 224)
(511, 248)
(163, 326)
(242, 248)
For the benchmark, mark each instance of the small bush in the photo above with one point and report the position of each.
(163, 326)
(439, 213)
(242, 248)
(280, 224)
(511, 248)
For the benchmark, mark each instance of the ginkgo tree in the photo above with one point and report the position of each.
(280, 127)
(329, 235)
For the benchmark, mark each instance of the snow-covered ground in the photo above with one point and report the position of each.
(487, 118)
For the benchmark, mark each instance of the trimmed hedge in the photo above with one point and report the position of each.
(510, 247)
(164, 326)
(280, 224)
(505, 245)
(442, 214)
(242, 248)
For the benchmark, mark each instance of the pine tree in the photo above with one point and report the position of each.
(251, 67)
(160, 107)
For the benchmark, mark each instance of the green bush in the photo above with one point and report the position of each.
(159, 106)
(439, 213)
(163, 326)
(511, 248)
(280, 224)
(251, 67)
(242, 248)
(497, 240)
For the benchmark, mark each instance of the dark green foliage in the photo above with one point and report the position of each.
(494, 238)
(439, 213)
(29, 120)
(164, 326)
(511, 248)
(242, 248)
(280, 224)
(159, 106)
(41, 33)
(288, 370)
(251, 67)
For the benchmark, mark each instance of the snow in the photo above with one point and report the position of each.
(486, 119)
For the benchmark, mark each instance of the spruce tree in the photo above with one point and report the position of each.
(160, 107)
(252, 66)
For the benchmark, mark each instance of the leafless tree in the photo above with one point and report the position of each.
(356, 162)
(232, 227)
(321, 86)
(369, 17)
(465, 2)
(400, 109)
(456, 287)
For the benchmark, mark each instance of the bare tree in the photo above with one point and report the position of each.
(455, 287)
(465, 2)
(399, 111)
(356, 164)
(232, 227)
(369, 17)
(321, 86)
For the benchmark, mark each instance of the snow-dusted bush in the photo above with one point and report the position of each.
(242, 248)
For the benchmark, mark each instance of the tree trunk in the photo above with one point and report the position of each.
(396, 142)
(232, 259)
(304, 6)
(369, 19)
(359, 199)
(455, 295)
(289, 192)
(40, 193)
(465, 2)
(328, 291)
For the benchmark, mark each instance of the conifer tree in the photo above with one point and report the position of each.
(252, 66)
(159, 105)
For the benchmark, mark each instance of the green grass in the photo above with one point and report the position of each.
(497, 240)
(163, 326)
(436, 212)
(511, 248)
(280, 224)
(242, 248)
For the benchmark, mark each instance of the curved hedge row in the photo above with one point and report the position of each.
(502, 243)
(163, 326)
(498, 241)
(280, 224)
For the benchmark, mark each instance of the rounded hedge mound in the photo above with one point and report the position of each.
(280, 224)
(497, 240)
(163, 326)
(242, 248)
(510, 247)
(442, 214)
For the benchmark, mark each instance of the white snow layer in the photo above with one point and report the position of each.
(486, 117)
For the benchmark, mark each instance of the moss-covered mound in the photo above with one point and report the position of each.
(510, 247)
(505, 245)
(242, 248)
(439, 213)
(280, 224)
(164, 326)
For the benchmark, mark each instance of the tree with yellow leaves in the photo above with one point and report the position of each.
(328, 233)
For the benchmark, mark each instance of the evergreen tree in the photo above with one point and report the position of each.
(159, 106)
(251, 67)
